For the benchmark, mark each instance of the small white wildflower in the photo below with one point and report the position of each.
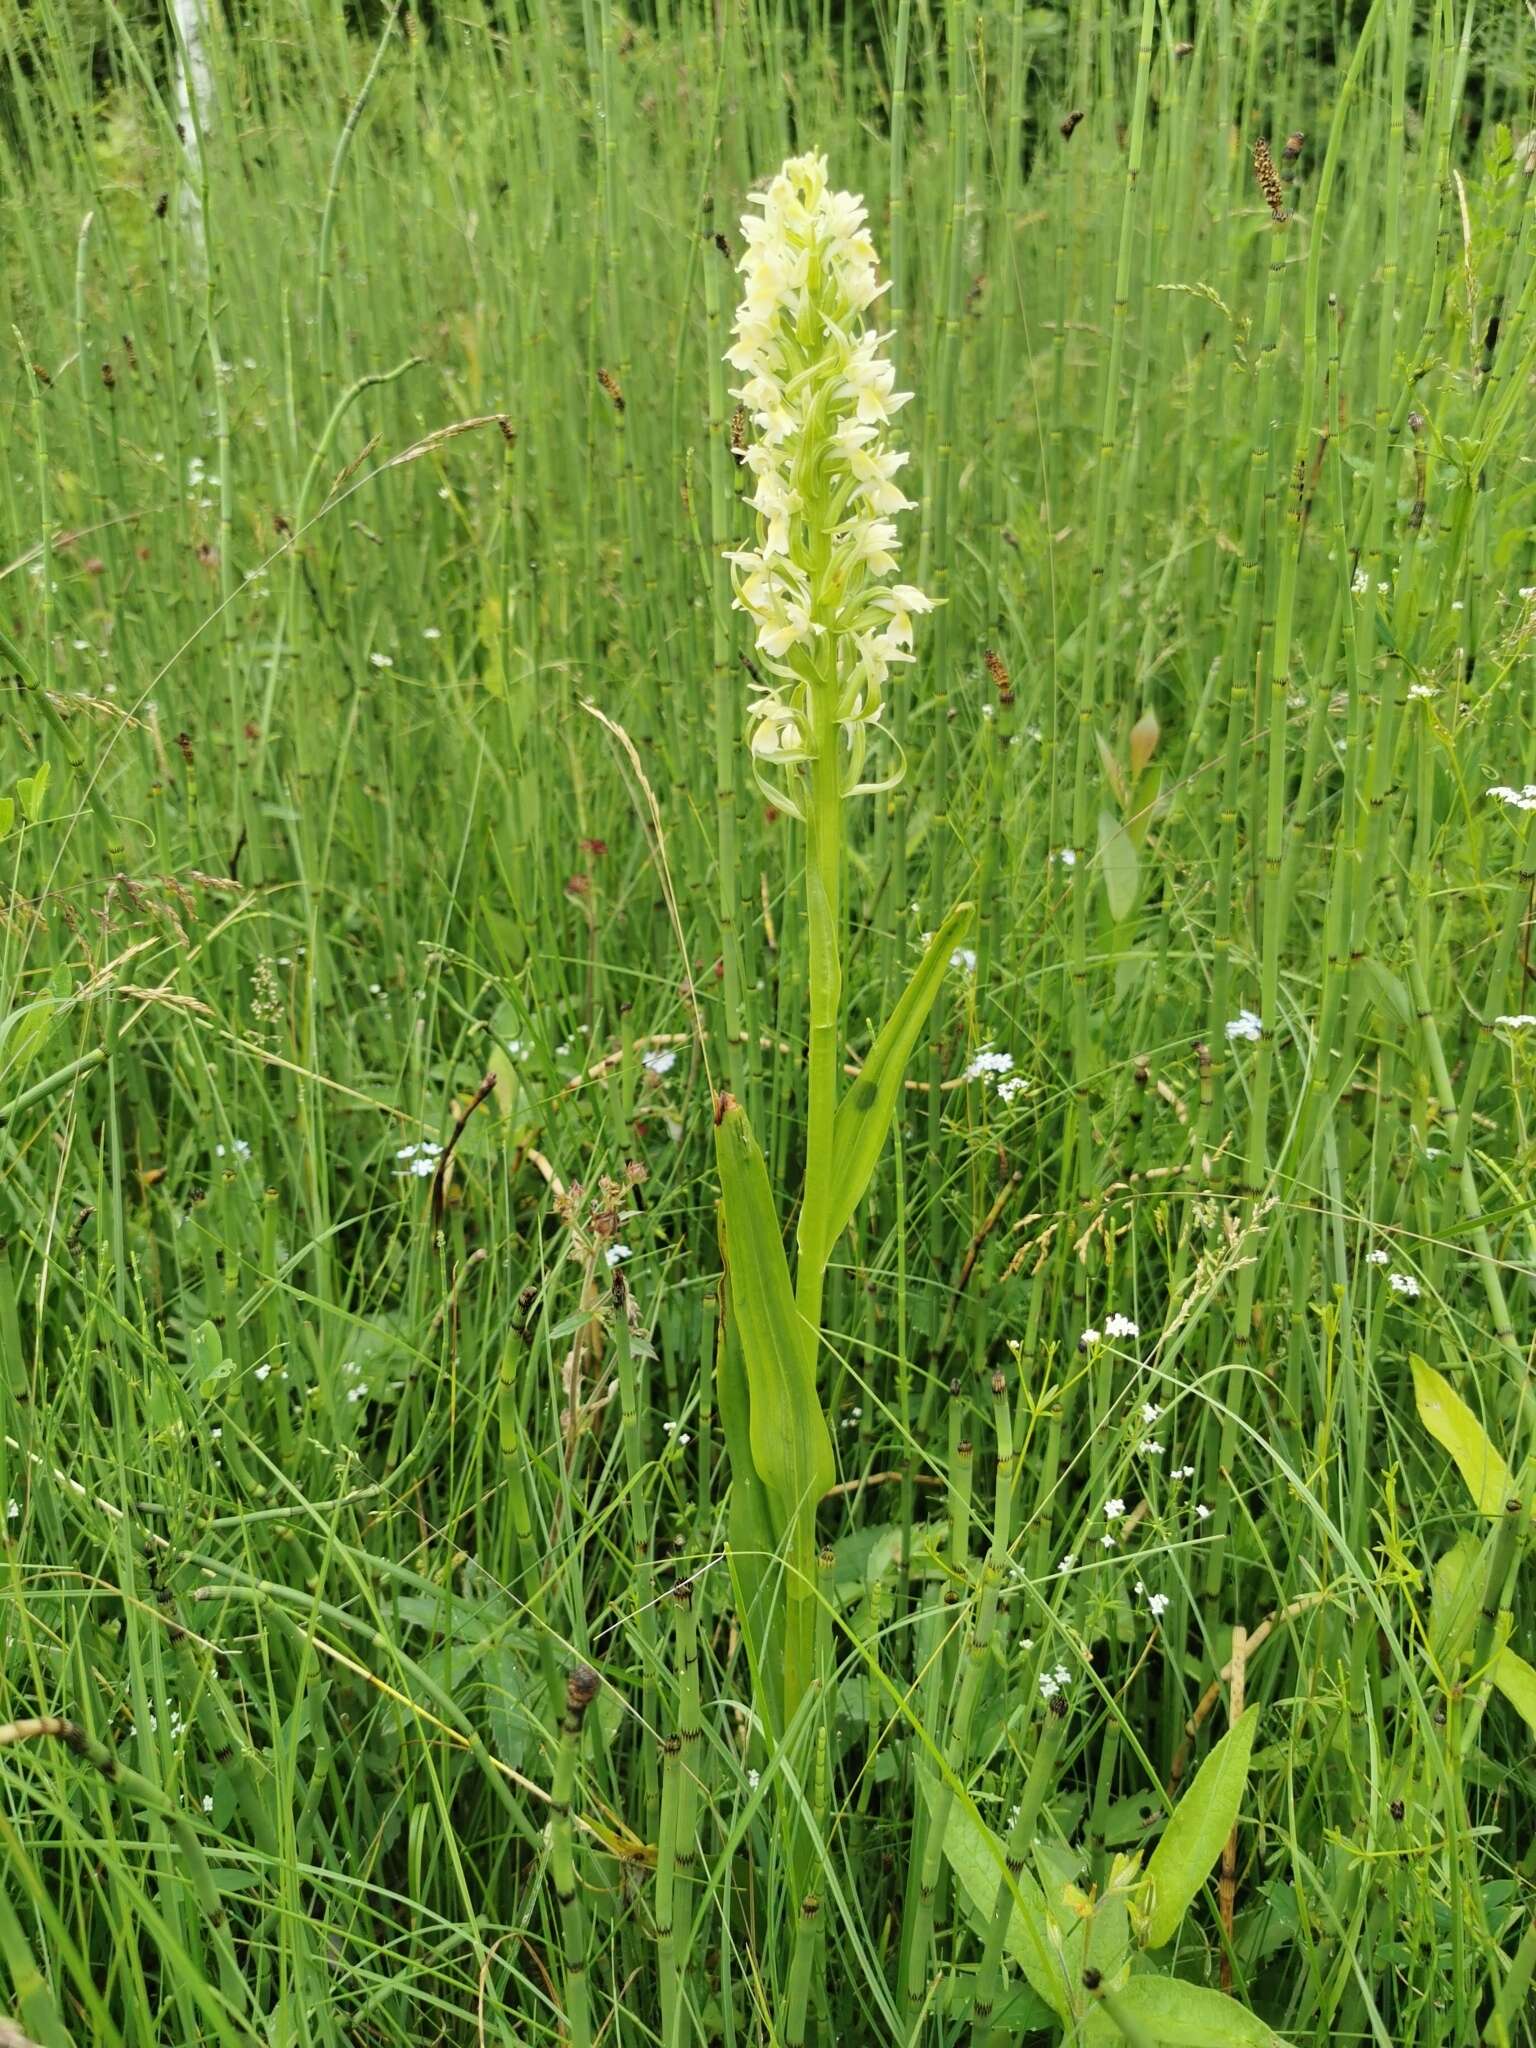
(1157, 1605)
(1067, 857)
(1117, 1325)
(1150, 1447)
(12, 1510)
(1528, 591)
(382, 660)
(207, 1802)
(616, 1254)
(1246, 1024)
(1522, 1021)
(1114, 1509)
(1011, 1085)
(216, 1433)
(661, 1061)
(1150, 1411)
(431, 633)
(1107, 1541)
(239, 1148)
(1359, 583)
(1403, 1283)
(1377, 1257)
(1062, 1675)
(1182, 1472)
(1202, 1511)
(1068, 1561)
(1090, 1337)
(357, 1393)
(420, 1159)
(262, 1371)
(1420, 693)
(754, 1779)
(964, 957)
(1049, 1686)
(1383, 590)
(987, 1063)
(1518, 799)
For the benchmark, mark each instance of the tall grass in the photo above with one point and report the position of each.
(332, 1460)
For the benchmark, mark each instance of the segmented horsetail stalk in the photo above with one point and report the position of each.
(581, 1687)
(145, 1793)
(1021, 1829)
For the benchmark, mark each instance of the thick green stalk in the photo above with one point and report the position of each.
(580, 1691)
(1020, 1833)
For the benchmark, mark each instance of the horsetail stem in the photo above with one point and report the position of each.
(581, 1688)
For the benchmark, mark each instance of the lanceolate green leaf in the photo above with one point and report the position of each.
(979, 1861)
(864, 1114)
(1118, 865)
(790, 1442)
(1201, 1822)
(1454, 1601)
(1180, 2015)
(1517, 1681)
(749, 1520)
(1456, 1429)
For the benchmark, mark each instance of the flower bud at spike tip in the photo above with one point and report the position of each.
(818, 397)
(1145, 734)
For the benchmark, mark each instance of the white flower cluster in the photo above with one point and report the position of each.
(820, 398)
(1522, 1022)
(995, 1070)
(420, 1160)
(1518, 799)
(1246, 1024)
(1053, 1682)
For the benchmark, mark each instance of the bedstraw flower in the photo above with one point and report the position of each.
(819, 583)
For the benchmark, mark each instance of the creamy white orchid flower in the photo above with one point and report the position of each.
(819, 394)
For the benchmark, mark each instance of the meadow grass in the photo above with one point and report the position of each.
(371, 1649)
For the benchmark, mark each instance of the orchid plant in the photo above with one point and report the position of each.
(831, 622)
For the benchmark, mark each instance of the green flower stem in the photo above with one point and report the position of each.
(823, 872)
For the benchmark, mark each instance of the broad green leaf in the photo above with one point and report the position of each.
(1456, 1429)
(1199, 1825)
(1142, 808)
(7, 814)
(1119, 866)
(1389, 992)
(749, 1524)
(1454, 1600)
(979, 1861)
(1184, 2015)
(864, 1114)
(23, 1031)
(790, 1442)
(31, 791)
(1517, 1681)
